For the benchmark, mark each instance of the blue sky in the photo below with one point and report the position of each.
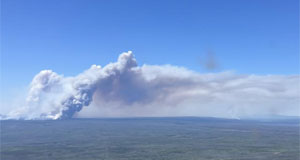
(68, 36)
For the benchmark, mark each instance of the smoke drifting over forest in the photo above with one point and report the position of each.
(124, 88)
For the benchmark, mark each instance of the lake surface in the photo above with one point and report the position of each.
(150, 138)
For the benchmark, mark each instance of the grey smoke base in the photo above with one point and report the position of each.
(125, 89)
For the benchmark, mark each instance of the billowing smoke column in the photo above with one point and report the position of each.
(51, 96)
(125, 89)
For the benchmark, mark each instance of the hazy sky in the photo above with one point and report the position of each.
(68, 36)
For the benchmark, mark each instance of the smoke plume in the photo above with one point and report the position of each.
(125, 89)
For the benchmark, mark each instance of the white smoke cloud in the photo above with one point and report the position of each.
(125, 89)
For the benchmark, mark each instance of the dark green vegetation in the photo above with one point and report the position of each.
(150, 138)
